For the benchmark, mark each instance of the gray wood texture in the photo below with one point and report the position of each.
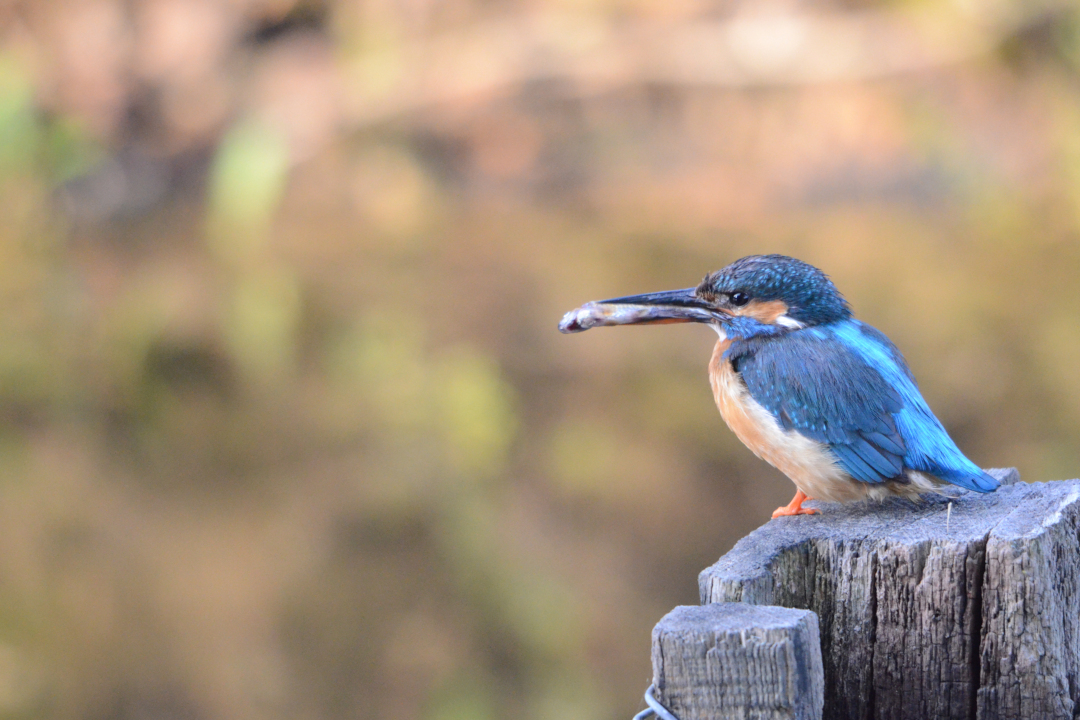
(732, 661)
(926, 612)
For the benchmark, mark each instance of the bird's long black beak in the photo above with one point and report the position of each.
(685, 298)
(671, 306)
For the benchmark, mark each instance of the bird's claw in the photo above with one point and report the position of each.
(795, 507)
(787, 510)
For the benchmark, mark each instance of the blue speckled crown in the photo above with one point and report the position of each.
(810, 295)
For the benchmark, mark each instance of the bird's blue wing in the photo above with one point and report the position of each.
(820, 387)
(846, 385)
(929, 447)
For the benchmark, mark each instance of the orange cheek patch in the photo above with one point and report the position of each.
(763, 311)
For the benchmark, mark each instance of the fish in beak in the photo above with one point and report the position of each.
(672, 306)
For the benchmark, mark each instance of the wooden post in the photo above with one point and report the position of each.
(967, 609)
(731, 661)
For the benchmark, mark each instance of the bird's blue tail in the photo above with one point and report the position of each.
(978, 480)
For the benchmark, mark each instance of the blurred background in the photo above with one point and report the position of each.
(286, 427)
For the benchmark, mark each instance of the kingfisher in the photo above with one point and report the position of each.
(826, 399)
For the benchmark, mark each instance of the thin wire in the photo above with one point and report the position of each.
(655, 708)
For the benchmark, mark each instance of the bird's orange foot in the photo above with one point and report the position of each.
(795, 507)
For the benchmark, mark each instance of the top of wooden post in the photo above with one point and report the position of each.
(743, 574)
(961, 608)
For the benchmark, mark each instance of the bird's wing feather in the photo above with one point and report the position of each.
(929, 448)
(824, 389)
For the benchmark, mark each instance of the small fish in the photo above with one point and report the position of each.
(599, 314)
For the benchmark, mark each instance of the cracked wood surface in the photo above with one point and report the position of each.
(927, 613)
(732, 661)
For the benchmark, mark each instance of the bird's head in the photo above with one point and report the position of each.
(758, 294)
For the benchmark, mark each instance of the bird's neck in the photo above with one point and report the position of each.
(744, 327)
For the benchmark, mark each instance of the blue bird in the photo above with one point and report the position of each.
(826, 399)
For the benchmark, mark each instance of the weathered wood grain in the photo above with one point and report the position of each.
(732, 661)
(1030, 650)
(927, 613)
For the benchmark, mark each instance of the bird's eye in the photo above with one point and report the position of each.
(738, 299)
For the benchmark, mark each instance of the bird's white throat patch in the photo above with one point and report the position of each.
(789, 322)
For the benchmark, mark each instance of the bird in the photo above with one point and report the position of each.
(823, 397)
